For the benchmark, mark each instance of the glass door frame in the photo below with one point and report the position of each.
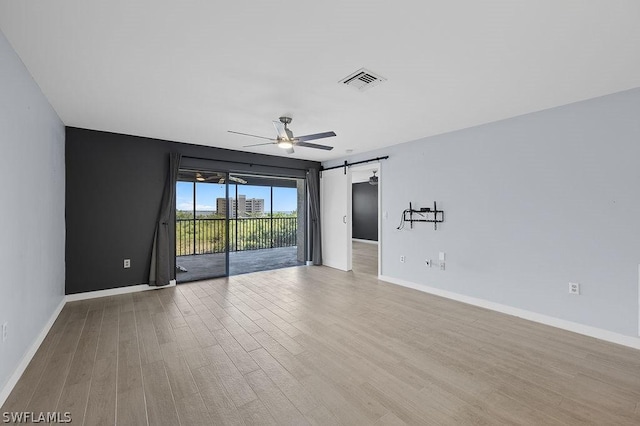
(297, 184)
(188, 175)
(194, 182)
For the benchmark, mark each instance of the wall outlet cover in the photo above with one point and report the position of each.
(574, 288)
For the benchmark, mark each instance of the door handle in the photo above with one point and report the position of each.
(344, 219)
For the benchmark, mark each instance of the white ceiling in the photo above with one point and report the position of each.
(191, 70)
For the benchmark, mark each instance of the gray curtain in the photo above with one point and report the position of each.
(161, 269)
(313, 186)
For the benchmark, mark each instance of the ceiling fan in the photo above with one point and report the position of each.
(201, 178)
(233, 179)
(287, 141)
(373, 180)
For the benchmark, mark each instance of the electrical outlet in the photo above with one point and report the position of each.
(442, 267)
(127, 263)
(574, 288)
(5, 331)
(427, 263)
(401, 259)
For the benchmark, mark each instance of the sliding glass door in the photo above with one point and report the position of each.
(266, 227)
(231, 223)
(202, 229)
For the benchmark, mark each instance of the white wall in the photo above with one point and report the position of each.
(531, 203)
(32, 227)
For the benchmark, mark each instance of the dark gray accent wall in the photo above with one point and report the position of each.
(113, 192)
(365, 211)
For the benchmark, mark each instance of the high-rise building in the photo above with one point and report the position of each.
(252, 206)
(221, 206)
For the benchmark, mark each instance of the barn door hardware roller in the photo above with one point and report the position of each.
(347, 164)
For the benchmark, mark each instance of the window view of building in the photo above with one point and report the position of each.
(243, 206)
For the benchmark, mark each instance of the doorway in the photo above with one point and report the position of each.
(236, 223)
(338, 247)
(365, 217)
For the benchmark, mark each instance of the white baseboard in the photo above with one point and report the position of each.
(598, 333)
(26, 359)
(358, 240)
(115, 291)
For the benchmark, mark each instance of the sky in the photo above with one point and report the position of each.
(284, 199)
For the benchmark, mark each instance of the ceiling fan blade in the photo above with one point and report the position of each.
(280, 130)
(247, 134)
(260, 144)
(237, 179)
(314, 145)
(315, 136)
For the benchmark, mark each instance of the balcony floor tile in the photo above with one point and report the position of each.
(203, 266)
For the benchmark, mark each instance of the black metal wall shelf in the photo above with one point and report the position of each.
(426, 214)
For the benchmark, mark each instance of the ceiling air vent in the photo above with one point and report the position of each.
(362, 80)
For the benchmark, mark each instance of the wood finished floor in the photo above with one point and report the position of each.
(312, 345)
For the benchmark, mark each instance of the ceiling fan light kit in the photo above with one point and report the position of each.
(285, 144)
(286, 140)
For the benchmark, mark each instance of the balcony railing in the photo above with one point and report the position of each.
(208, 235)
